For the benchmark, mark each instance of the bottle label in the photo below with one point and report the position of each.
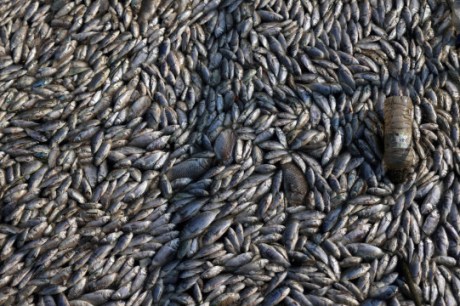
(400, 141)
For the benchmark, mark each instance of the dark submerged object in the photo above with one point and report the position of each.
(295, 184)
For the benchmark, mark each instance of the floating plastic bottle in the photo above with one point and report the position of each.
(398, 155)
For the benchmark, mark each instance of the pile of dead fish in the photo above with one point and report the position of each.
(226, 152)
